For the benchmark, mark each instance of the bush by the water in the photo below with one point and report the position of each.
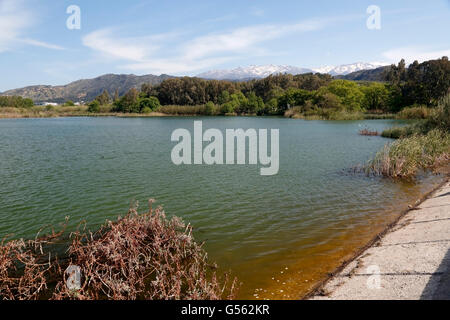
(437, 118)
(405, 157)
(416, 112)
(421, 146)
(139, 256)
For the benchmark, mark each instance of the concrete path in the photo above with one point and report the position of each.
(412, 260)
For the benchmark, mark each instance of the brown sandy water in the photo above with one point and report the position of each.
(314, 264)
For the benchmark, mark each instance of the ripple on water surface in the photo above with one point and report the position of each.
(306, 218)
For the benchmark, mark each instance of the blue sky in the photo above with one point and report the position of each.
(189, 37)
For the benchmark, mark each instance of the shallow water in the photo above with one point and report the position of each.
(278, 233)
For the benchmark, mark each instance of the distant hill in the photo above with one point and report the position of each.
(378, 74)
(86, 90)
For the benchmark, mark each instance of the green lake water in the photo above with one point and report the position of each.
(284, 230)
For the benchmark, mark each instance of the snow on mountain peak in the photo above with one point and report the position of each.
(254, 71)
(348, 68)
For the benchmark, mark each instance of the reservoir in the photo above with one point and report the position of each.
(278, 234)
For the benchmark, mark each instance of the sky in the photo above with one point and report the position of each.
(179, 37)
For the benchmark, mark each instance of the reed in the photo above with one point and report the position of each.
(406, 157)
(416, 112)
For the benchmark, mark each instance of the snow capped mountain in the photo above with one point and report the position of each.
(348, 68)
(254, 72)
(251, 72)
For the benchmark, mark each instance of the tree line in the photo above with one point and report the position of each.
(15, 102)
(420, 83)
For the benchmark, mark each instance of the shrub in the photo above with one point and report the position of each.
(210, 108)
(139, 256)
(146, 110)
(129, 103)
(416, 112)
(400, 132)
(69, 103)
(404, 158)
(151, 103)
(441, 116)
(94, 106)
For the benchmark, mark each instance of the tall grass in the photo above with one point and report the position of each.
(416, 112)
(182, 110)
(421, 146)
(405, 157)
(323, 114)
(401, 132)
(43, 112)
(438, 118)
(139, 256)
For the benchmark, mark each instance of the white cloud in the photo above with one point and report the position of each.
(157, 54)
(414, 53)
(104, 41)
(42, 44)
(15, 19)
(12, 22)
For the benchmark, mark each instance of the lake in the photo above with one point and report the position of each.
(278, 234)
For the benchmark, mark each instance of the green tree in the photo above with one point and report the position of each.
(224, 97)
(210, 108)
(151, 103)
(129, 103)
(15, 102)
(239, 102)
(348, 92)
(376, 97)
(271, 107)
(94, 106)
(104, 99)
(328, 100)
(293, 98)
(254, 105)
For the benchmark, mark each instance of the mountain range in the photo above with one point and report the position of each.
(87, 89)
(258, 72)
(252, 72)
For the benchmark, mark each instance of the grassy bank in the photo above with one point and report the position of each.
(213, 110)
(81, 111)
(422, 146)
(139, 256)
(43, 112)
(329, 114)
